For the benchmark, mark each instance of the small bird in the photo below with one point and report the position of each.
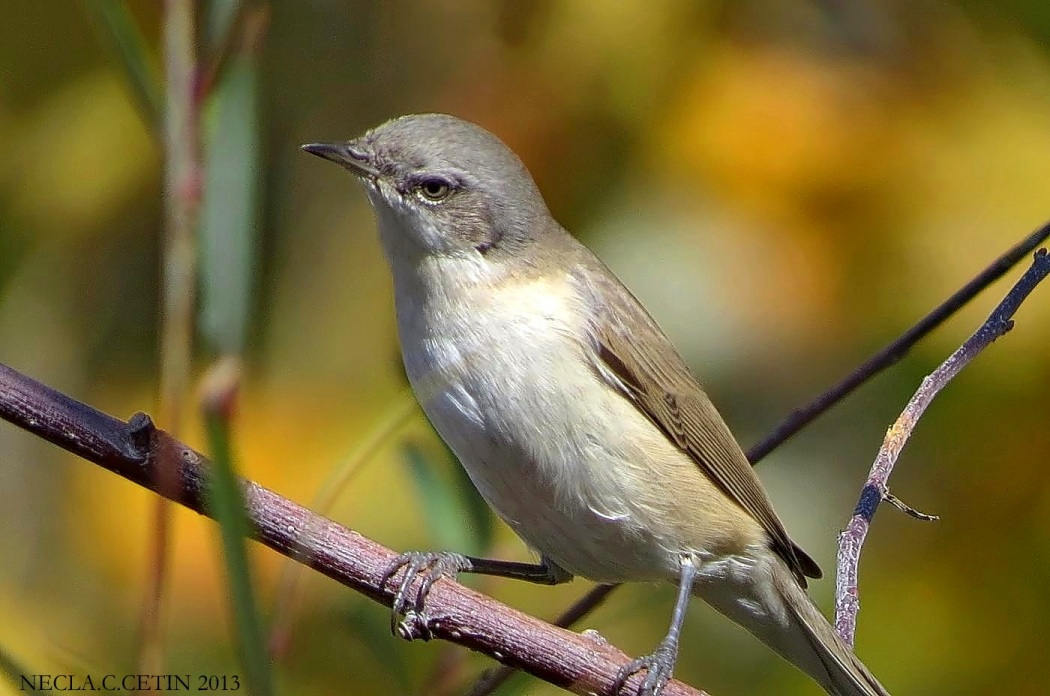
(573, 414)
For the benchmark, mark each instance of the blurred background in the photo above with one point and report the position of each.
(786, 185)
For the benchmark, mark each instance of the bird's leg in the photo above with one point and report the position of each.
(408, 619)
(660, 664)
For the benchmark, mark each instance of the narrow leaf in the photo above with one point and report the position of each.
(131, 49)
(479, 515)
(228, 239)
(220, 20)
(226, 502)
(442, 504)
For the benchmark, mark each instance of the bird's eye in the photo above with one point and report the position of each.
(434, 189)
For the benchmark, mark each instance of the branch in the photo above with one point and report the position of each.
(143, 454)
(876, 488)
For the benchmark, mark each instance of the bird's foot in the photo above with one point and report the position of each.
(408, 617)
(658, 669)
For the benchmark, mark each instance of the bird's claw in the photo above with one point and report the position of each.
(408, 618)
(658, 669)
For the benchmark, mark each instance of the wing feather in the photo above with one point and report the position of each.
(656, 380)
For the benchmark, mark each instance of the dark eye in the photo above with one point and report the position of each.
(434, 188)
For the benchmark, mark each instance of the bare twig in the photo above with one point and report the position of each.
(800, 418)
(136, 449)
(876, 488)
(908, 509)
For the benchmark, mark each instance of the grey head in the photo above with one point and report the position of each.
(440, 185)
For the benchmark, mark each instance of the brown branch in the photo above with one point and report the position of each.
(876, 488)
(800, 418)
(136, 450)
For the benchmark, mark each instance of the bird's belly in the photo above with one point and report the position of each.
(557, 453)
(553, 491)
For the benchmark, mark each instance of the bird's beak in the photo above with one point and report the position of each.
(345, 155)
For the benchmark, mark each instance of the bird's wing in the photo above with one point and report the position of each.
(649, 372)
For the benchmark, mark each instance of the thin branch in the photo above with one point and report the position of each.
(800, 418)
(876, 488)
(908, 509)
(136, 450)
(891, 354)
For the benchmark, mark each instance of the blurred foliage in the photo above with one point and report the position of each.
(786, 185)
(227, 505)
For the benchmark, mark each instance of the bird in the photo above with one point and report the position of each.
(572, 412)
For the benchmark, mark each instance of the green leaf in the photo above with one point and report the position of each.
(442, 504)
(226, 504)
(132, 50)
(220, 21)
(227, 236)
(479, 514)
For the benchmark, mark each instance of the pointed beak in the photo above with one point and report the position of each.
(345, 155)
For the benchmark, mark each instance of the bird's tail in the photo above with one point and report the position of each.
(768, 601)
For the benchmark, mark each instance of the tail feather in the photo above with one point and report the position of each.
(766, 599)
(843, 672)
